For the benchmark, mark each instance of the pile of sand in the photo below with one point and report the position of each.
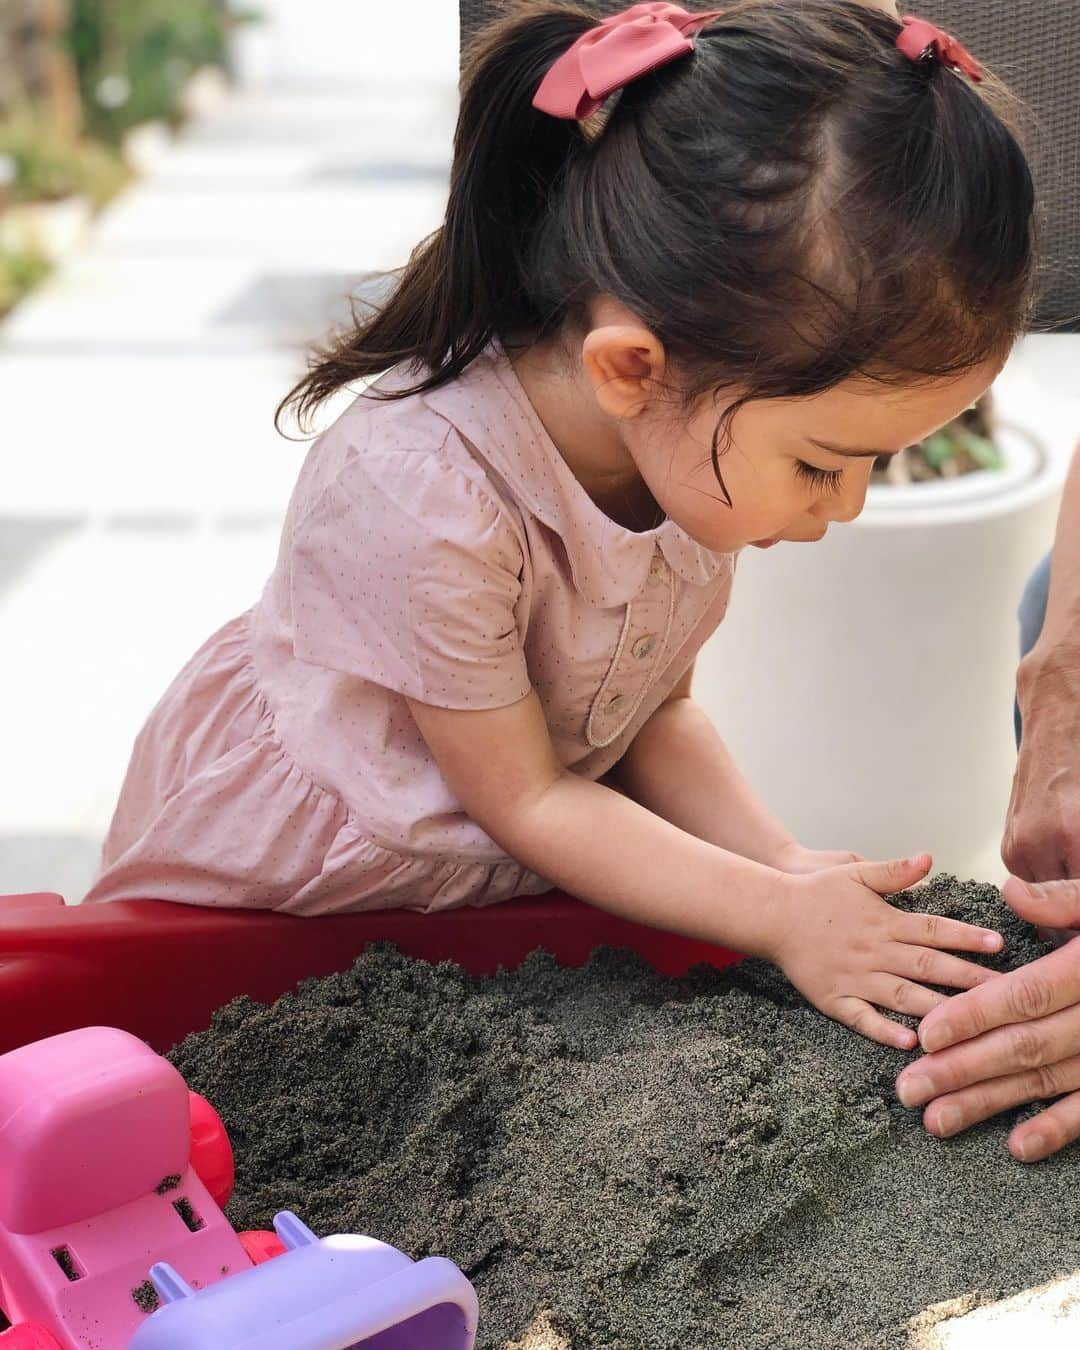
(628, 1161)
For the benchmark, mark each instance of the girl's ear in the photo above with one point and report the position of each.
(625, 365)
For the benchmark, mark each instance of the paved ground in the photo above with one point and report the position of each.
(144, 484)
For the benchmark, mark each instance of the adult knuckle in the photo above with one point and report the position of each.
(924, 964)
(1047, 1081)
(859, 1021)
(901, 997)
(977, 1106)
(1030, 997)
(1014, 848)
(931, 926)
(975, 1020)
(1027, 1048)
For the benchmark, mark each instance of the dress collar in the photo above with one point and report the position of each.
(609, 563)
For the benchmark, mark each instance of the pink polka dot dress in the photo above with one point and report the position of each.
(436, 548)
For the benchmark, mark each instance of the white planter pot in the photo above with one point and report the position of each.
(865, 684)
(52, 229)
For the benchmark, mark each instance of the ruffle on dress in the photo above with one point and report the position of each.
(214, 811)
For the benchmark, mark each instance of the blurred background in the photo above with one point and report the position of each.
(189, 190)
(187, 194)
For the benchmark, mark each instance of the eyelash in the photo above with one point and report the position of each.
(822, 480)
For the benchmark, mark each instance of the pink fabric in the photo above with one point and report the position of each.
(436, 548)
(620, 49)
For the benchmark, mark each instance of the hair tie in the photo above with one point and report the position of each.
(922, 41)
(619, 50)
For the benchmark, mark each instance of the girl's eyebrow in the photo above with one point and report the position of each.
(848, 450)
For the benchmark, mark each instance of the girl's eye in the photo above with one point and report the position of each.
(821, 480)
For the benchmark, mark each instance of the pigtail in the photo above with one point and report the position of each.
(465, 283)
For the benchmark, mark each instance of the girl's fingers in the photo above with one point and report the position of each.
(931, 930)
(933, 967)
(957, 1111)
(857, 1014)
(1050, 1130)
(889, 877)
(902, 995)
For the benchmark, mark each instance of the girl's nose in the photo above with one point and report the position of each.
(846, 504)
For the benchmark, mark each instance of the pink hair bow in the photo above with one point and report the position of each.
(617, 51)
(921, 39)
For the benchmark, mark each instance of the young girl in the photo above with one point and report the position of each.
(653, 329)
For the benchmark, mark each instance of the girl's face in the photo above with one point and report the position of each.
(791, 467)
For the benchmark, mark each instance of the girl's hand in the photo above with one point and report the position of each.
(799, 861)
(848, 950)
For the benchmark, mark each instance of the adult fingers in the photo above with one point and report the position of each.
(1025, 995)
(958, 1111)
(929, 966)
(902, 995)
(1047, 904)
(1005, 1051)
(1050, 1130)
(857, 1014)
(931, 930)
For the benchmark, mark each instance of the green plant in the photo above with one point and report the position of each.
(19, 273)
(41, 164)
(134, 56)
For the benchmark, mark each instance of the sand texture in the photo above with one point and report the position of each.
(622, 1161)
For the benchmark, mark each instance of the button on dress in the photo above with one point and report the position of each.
(436, 548)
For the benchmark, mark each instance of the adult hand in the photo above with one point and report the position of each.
(1013, 1040)
(1042, 827)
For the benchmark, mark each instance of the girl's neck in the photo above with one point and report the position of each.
(585, 438)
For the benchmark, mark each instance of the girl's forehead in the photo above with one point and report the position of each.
(860, 414)
(865, 404)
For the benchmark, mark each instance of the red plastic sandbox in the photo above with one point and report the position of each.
(159, 970)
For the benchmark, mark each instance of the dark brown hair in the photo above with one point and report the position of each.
(793, 204)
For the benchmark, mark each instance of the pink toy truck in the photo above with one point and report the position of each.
(110, 1167)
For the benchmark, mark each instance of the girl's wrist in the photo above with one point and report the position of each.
(774, 907)
(785, 852)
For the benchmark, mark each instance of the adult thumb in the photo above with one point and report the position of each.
(889, 877)
(1047, 904)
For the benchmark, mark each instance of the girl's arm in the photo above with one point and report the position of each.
(593, 842)
(831, 933)
(679, 767)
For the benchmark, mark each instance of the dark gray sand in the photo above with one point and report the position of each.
(661, 1163)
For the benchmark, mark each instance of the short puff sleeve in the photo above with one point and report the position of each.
(406, 573)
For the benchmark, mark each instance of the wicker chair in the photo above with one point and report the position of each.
(1034, 45)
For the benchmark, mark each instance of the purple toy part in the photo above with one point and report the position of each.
(333, 1293)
